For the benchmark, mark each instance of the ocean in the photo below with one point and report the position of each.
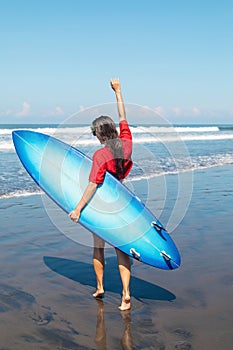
(158, 151)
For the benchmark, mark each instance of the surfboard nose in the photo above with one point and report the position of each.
(15, 136)
(18, 134)
(21, 140)
(27, 141)
(22, 143)
(18, 140)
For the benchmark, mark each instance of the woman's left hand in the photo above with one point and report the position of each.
(74, 215)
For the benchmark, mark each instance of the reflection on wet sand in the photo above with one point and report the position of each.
(126, 340)
(100, 336)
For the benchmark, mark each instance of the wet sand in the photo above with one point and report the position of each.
(47, 281)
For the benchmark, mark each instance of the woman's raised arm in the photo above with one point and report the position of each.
(116, 86)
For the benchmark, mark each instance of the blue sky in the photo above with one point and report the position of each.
(174, 56)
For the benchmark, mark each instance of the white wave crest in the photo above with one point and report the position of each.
(20, 193)
(85, 140)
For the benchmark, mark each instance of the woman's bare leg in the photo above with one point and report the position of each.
(124, 269)
(98, 262)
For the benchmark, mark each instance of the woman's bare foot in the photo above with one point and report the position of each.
(125, 303)
(126, 297)
(99, 293)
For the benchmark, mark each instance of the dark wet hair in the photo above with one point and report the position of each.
(105, 128)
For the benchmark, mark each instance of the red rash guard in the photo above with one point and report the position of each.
(103, 159)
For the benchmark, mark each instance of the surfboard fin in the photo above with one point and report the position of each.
(158, 226)
(159, 229)
(135, 254)
(166, 256)
(168, 259)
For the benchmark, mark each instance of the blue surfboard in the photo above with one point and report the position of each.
(114, 213)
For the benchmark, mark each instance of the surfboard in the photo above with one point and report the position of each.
(114, 213)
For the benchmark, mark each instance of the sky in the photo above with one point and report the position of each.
(172, 56)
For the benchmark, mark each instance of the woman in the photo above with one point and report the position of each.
(114, 157)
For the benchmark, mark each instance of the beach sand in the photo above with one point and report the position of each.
(47, 281)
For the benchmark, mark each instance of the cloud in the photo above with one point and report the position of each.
(184, 112)
(160, 110)
(81, 108)
(196, 111)
(7, 113)
(58, 111)
(177, 110)
(55, 112)
(25, 110)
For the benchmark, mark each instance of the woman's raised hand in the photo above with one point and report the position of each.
(115, 84)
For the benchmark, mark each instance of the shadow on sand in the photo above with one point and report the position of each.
(83, 273)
